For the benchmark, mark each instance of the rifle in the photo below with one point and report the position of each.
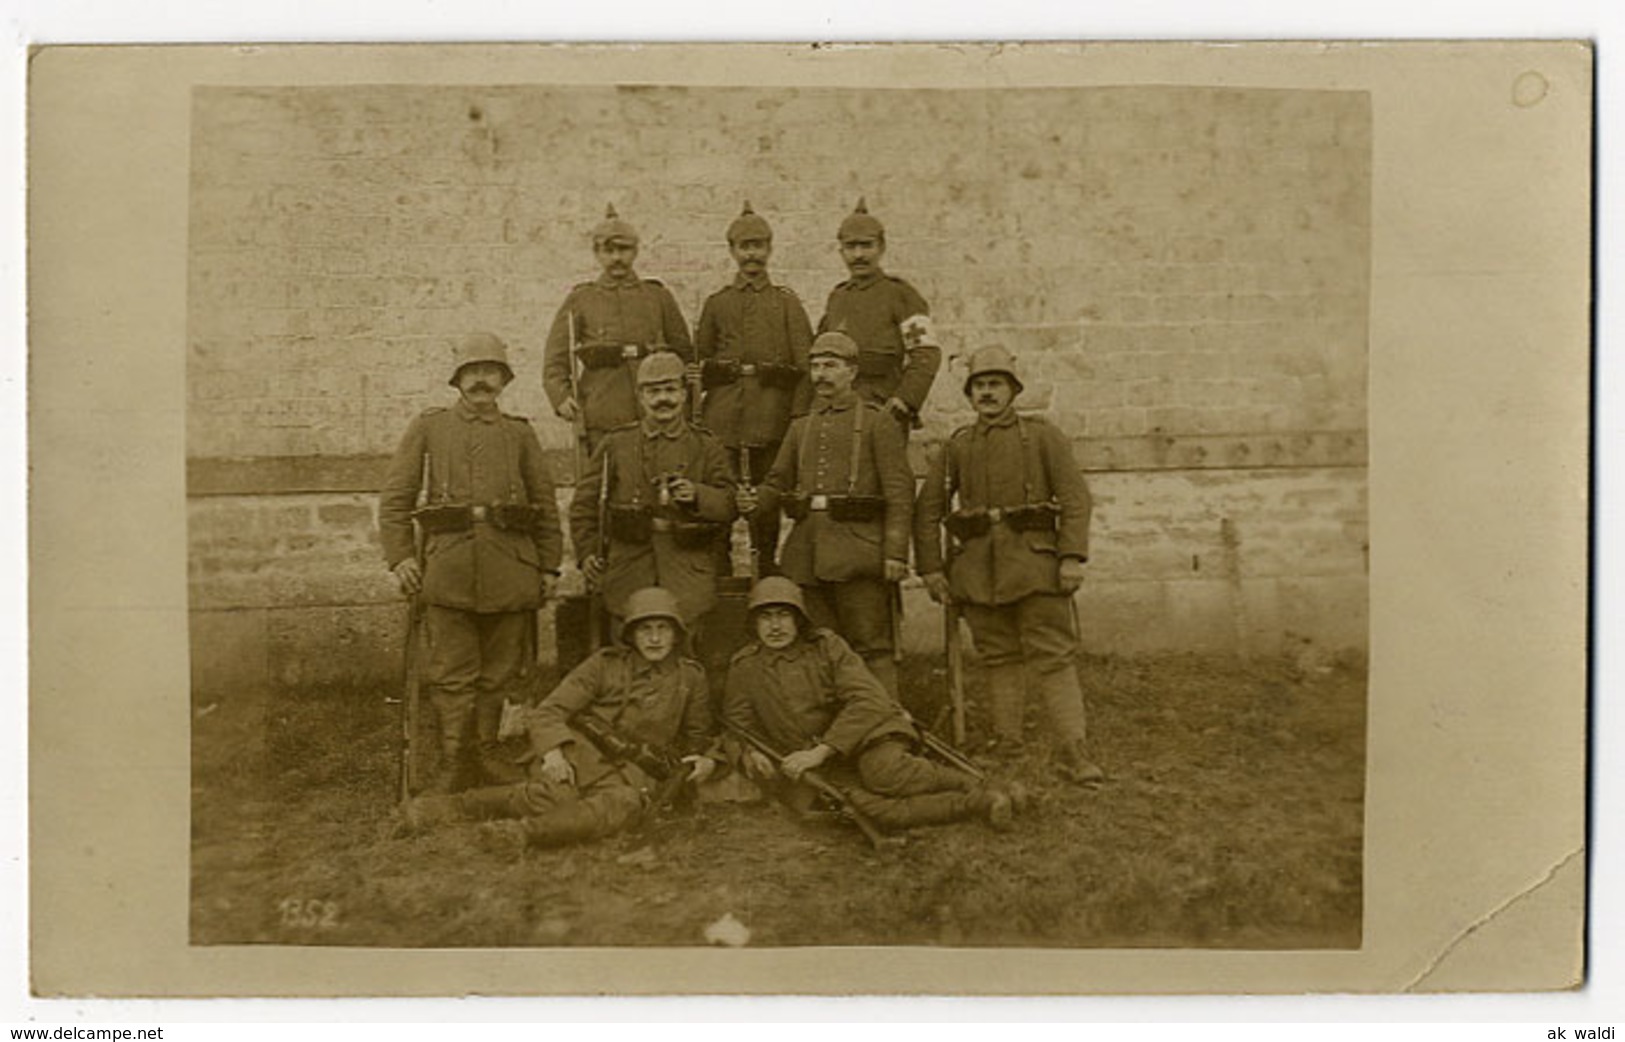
(656, 761)
(870, 832)
(951, 755)
(595, 598)
(745, 480)
(578, 426)
(411, 680)
(951, 613)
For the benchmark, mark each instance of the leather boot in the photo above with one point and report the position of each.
(565, 824)
(1076, 767)
(492, 802)
(994, 804)
(449, 778)
(422, 813)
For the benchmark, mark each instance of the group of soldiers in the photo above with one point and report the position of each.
(755, 416)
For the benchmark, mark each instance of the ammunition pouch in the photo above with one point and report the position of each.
(608, 356)
(778, 375)
(968, 524)
(628, 524)
(695, 535)
(797, 506)
(856, 508)
(514, 517)
(719, 372)
(1036, 517)
(445, 517)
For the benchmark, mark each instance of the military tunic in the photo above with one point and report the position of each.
(818, 690)
(753, 322)
(479, 584)
(680, 550)
(845, 447)
(1007, 580)
(664, 704)
(630, 313)
(871, 311)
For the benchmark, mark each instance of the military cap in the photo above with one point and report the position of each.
(860, 225)
(834, 343)
(749, 225)
(612, 227)
(660, 367)
(480, 347)
(651, 602)
(994, 358)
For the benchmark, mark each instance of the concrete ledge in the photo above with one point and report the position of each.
(291, 475)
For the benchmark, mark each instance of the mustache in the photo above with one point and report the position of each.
(481, 385)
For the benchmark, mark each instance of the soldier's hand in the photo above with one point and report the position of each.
(896, 571)
(692, 371)
(409, 574)
(899, 409)
(703, 767)
(550, 586)
(556, 767)
(683, 490)
(1071, 575)
(746, 500)
(568, 410)
(936, 584)
(757, 765)
(804, 760)
(592, 568)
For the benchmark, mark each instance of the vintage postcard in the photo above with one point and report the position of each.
(976, 519)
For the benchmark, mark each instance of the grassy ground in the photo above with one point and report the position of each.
(1232, 819)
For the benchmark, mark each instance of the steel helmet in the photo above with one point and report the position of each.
(994, 358)
(777, 590)
(480, 347)
(651, 602)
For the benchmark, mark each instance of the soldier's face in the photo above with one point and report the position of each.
(831, 375)
(616, 256)
(480, 382)
(776, 626)
(654, 639)
(862, 256)
(751, 254)
(991, 394)
(662, 401)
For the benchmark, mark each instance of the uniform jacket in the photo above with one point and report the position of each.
(620, 312)
(816, 690)
(474, 459)
(664, 704)
(636, 454)
(870, 311)
(817, 458)
(754, 321)
(1012, 461)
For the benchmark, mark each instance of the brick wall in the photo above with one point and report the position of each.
(1183, 272)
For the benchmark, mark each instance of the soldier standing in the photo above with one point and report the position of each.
(842, 476)
(806, 692)
(602, 737)
(898, 351)
(492, 547)
(751, 345)
(1019, 538)
(655, 498)
(601, 332)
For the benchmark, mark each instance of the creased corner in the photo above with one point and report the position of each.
(1488, 917)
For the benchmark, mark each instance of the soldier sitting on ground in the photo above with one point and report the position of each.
(600, 741)
(810, 696)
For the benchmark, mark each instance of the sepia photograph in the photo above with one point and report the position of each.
(869, 500)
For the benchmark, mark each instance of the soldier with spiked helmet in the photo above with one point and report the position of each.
(751, 348)
(898, 350)
(626, 723)
(1015, 507)
(601, 332)
(474, 480)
